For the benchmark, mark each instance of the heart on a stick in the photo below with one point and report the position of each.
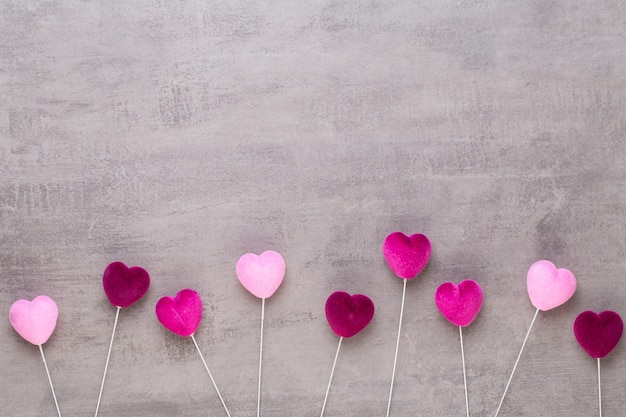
(34, 320)
(123, 285)
(406, 255)
(459, 304)
(598, 334)
(549, 287)
(348, 314)
(261, 274)
(180, 314)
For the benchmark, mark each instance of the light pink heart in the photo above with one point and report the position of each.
(549, 287)
(34, 320)
(459, 304)
(261, 274)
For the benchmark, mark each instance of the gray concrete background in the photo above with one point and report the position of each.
(178, 135)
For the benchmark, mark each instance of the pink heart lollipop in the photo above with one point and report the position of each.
(261, 274)
(406, 256)
(348, 314)
(549, 287)
(461, 303)
(180, 314)
(34, 320)
(598, 334)
(123, 285)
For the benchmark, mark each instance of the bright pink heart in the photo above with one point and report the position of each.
(261, 274)
(549, 287)
(348, 314)
(34, 320)
(180, 314)
(406, 256)
(598, 334)
(123, 285)
(461, 303)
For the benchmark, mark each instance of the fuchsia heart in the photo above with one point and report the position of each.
(598, 334)
(549, 287)
(124, 286)
(180, 314)
(461, 303)
(34, 320)
(406, 256)
(261, 274)
(348, 314)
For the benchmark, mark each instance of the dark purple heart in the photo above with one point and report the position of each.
(461, 303)
(598, 334)
(348, 314)
(124, 286)
(406, 256)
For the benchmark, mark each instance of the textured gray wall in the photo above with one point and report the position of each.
(178, 135)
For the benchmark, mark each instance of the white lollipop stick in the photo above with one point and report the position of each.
(395, 358)
(332, 371)
(258, 401)
(210, 376)
(464, 374)
(599, 390)
(45, 364)
(106, 365)
(516, 362)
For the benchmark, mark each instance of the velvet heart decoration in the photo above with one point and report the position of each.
(549, 287)
(261, 274)
(123, 285)
(180, 314)
(598, 334)
(34, 320)
(461, 303)
(406, 256)
(348, 314)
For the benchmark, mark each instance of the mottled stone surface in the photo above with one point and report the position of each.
(178, 135)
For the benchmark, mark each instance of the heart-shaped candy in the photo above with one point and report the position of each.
(461, 303)
(34, 320)
(406, 256)
(348, 314)
(598, 334)
(261, 274)
(180, 314)
(123, 285)
(549, 287)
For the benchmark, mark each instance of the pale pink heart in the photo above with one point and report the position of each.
(549, 287)
(261, 274)
(34, 320)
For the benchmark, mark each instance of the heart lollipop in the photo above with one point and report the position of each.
(123, 286)
(347, 315)
(598, 334)
(406, 257)
(548, 288)
(261, 275)
(35, 321)
(182, 315)
(460, 305)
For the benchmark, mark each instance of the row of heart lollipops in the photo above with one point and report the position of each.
(548, 288)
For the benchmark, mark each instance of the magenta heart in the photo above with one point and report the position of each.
(549, 287)
(406, 256)
(461, 303)
(598, 334)
(261, 274)
(34, 320)
(180, 314)
(348, 314)
(124, 286)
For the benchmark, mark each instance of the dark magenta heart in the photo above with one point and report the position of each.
(124, 286)
(348, 314)
(406, 256)
(180, 314)
(598, 334)
(461, 303)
